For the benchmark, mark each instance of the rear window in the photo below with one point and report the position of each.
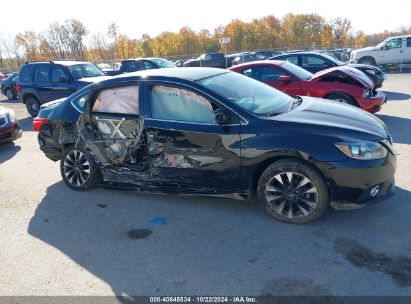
(26, 73)
(85, 70)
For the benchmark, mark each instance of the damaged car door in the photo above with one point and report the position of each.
(111, 128)
(194, 141)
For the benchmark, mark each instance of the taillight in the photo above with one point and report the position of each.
(38, 122)
(18, 89)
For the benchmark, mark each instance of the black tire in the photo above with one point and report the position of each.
(313, 197)
(9, 94)
(79, 172)
(367, 60)
(343, 98)
(33, 106)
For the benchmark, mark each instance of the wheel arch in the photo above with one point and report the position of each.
(371, 58)
(28, 94)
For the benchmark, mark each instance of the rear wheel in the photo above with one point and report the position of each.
(293, 191)
(9, 94)
(33, 106)
(78, 169)
(343, 98)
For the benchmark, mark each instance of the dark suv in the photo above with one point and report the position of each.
(211, 60)
(41, 82)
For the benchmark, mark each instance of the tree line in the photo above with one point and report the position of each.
(67, 40)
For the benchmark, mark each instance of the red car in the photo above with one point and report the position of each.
(342, 83)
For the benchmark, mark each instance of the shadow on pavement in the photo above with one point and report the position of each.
(8, 150)
(396, 96)
(399, 128)
(201, 245)
(26, 124)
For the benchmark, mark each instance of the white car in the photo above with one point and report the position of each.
(393, 50)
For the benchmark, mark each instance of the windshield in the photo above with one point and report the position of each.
(333, 59)
(85, 70)
(163, 63)
(251, 95)
(297, 71)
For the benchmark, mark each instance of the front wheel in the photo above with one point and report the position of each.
(367, 60)
(292, 191)
(78, 169)
(343, 98)
(9, 94)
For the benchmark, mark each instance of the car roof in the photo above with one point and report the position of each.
(187, 73)
(299, 53)
(62, 62)
(258, 62)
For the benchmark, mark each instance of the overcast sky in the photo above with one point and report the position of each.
(155, 16)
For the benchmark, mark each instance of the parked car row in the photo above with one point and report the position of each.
(41, 82)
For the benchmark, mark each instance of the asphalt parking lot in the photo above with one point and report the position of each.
(55, 241)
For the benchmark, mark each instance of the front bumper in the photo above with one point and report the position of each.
(372, 104)
(9, 132)
(351, 182)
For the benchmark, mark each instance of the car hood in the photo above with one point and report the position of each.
(331, 114)
(363, 79)
(364, 66)
(369, 48)
(3, 110)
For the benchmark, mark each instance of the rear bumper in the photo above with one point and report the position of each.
(372, 104)
(52, 150)
(351, 182)
(10, 132)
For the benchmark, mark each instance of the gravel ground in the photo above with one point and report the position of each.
(55, 241)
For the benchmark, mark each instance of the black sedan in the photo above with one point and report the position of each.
(8, 86)
(214, 132)
(315, 62)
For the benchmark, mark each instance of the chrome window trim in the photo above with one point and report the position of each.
(181, 84)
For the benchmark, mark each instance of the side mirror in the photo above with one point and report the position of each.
(63, 79)
(284, 78)
(220, 117)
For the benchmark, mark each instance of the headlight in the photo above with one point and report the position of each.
(12, 116)
(367, 150)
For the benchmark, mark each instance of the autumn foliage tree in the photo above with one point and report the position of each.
(294, 31)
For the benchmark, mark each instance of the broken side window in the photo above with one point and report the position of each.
(180, 105)
(122, 100)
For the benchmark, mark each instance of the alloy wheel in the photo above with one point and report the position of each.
(9, 94)
(291, 195)
(341, 100)
(76, 168)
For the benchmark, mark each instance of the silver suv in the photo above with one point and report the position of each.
(393, 50)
